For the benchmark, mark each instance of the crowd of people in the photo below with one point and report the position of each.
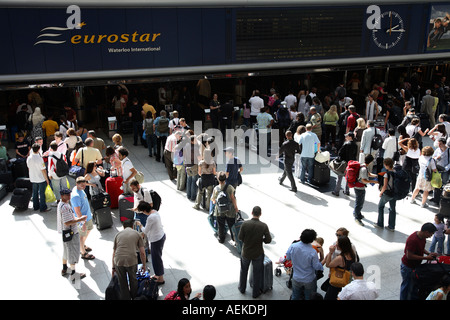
(307, 126)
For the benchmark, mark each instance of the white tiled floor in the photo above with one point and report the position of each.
(30, 241)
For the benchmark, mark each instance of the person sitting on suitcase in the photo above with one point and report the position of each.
(225, 205)
(140, 194)
(253, 234)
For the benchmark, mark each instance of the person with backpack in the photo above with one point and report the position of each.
(58, 169)
(225, 206)
(161, 130)
(387, 195)
(358, 176)
(348, 152)
(350, 120)
(367, 142)
(147, 127)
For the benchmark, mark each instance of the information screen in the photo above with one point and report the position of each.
(298, 33)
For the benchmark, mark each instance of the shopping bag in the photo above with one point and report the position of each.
(436, 180)
(49, 195)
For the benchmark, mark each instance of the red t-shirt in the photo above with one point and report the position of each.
(351, 121)
(415, 245)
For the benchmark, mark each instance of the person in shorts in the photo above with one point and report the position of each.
(81, 207)
(67, 220)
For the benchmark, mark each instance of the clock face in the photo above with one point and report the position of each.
(390, 30)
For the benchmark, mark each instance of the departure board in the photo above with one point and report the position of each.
(298, 33)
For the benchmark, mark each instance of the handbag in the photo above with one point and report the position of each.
(101, 200)
(339, 277)
(338, 166)
(67, 235)
(76, 170)
(396, 156)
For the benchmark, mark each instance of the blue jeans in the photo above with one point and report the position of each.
(392, 213)
(152, 143)
(301, 288)
(440, 244)
(191, 187)
(407, 286)
(307, 165)
(39, 196)
(359, 202)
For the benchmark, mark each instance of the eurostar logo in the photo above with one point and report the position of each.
(53, 35)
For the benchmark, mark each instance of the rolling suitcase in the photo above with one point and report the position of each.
(24, 183)
(20, 169)
(20, 198)
(267, 282)
(321, 173)
(444, 206)
(126, 202)
(113, 188)
(235, 231)
(103, 218)
(7, 179)
(3, 191)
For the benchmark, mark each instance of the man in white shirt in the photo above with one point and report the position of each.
(358, 289)
(58, 183)
(169, 150)
(38, 178)
(291, 100)
(140, 194)
(256, 103)
(128, 170)
(390, 144)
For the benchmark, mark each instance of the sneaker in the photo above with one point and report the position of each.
(412, 201)
(347, 193)
(389, 228)
(358, 221)
(424, 205)
(335, 194)
(196, 207)
(377, 226)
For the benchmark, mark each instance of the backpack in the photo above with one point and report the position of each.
(223, 201)
(402, 182)
(62, 168)
(352, 174)
(284, 118)
(148, 129)
(163, 125)
(156, 199)
(377, 141)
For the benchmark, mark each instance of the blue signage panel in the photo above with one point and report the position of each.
(45, 40)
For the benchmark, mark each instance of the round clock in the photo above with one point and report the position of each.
(390, 30)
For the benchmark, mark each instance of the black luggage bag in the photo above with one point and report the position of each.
(321, 173)
(427, 277)
(20, 169)
(20, 198)
(3, 191)
(444, 207)
(101, 200)
(103, 218)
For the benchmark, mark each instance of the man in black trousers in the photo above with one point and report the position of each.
(253, 234)
(289, 148)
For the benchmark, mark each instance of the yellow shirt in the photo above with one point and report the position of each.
(147, 107)
(50, 127)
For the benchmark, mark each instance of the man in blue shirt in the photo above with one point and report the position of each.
(305, 263)
(234, 168)
(310, 145)
(81, 207)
